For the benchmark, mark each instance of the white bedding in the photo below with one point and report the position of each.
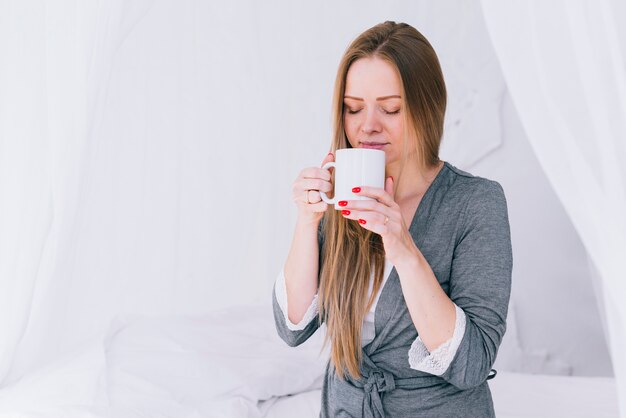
(515, 395)
(232, 364)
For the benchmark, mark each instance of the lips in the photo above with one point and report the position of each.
(376, 145)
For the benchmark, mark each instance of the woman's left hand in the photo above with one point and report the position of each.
(382, 216)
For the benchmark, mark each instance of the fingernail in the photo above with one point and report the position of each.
(330, 153)
(391, 178)
(343, 203)
(345, 212)
(356, 189)
(362, 221)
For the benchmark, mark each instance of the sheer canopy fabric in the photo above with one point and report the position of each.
(564, 63)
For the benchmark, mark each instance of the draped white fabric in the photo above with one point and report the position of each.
(565, 65)
(57, 61)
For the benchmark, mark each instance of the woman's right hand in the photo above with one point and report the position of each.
(306, 191)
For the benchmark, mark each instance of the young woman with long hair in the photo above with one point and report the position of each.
(414, 285)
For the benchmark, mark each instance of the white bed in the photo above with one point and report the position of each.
(515, 395)
(232, 364)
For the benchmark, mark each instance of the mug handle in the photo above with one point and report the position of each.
(323, 194)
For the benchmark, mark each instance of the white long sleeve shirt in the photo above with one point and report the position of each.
(419, 357)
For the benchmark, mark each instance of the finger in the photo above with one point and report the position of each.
(329, 157)
(312, 184)
(315, 173)
(368, 205)
(372, 221)
(389, 186)
(321, 206)
(352, 214)
(313, 196)
(325, 173)
(363, 215)
(377, 193)
(307, 198)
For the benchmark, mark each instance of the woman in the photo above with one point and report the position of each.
(414, 285)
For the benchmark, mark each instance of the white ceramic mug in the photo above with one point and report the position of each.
(355, 167)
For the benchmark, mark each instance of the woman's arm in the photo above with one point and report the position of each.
(432, 311)
(302, 269)
(299, 280)
(302, 265)
(294, 331)
(480, 284)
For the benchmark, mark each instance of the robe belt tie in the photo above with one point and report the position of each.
(380, 381)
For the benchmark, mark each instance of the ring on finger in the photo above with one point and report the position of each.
(318, 194)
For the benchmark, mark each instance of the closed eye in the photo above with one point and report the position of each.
(387, 112)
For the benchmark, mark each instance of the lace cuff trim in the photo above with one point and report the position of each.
(439, 360)
(281, 297)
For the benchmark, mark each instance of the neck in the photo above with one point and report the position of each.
(414, 181)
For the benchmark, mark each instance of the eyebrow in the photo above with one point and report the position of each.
(393, 96)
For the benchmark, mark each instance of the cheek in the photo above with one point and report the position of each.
(350, 126)
(397, 130)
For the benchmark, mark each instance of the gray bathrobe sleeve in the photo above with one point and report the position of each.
(295, 338)
(480, 283)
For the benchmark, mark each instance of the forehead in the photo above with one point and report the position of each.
(372, 77)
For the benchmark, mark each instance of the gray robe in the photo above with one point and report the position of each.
(461, 226)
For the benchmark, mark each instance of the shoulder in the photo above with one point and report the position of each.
(477, 193)
(483, 224)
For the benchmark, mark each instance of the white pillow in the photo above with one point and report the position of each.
(226, 360)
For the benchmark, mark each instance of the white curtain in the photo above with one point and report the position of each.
(56, 62)
(138, 168)
(565, 65)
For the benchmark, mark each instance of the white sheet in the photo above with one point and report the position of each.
(216, 365)
(231, 363)
(515, 395)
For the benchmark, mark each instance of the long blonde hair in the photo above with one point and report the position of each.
(350, 252)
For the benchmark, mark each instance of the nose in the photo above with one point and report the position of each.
(371, 124)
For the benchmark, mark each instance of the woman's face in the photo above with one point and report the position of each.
(373, 107)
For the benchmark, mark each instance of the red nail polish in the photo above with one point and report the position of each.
(362, 221)
(345, 212)
(343, 203)
(356, 189)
